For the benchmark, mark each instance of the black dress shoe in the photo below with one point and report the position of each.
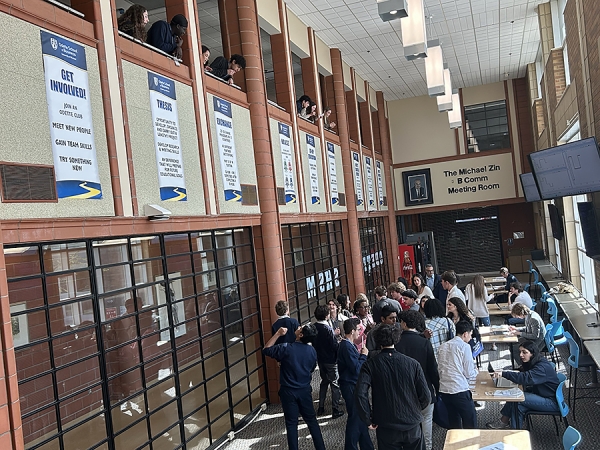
(321, 412)
(337, 413)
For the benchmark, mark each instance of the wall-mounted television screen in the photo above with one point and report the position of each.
(569, 169)
(558, 230)
(529, 187)
(589, 229)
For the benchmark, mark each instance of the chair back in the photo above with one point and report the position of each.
(573, 360)
(549, 338)
(563, 406)
(552, 310)
(530, 266)
(571, 438)
(536, 276)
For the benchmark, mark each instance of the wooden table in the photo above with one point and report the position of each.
(585, 333)
(484, 383)
(476, 439)
(580, 308)
(488, 337)
(499, 290)
(498, 310)
(494, 280)
(562, 299)
(593, 348)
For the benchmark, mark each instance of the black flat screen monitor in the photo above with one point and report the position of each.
(530, 188)
(555, 220)
(569, 169)
(589, 229)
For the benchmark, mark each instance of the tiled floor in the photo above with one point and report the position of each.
(268, 430)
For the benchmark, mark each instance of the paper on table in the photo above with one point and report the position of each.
(499, 446)
(514, 392)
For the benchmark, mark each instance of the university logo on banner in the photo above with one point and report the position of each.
(287, 161)
(228, 157)
(357, 179)
(312, 170)
(165, 121)
(70, 114)
(332, 174)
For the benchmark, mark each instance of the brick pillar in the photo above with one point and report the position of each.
(354, 259)
(270, 220)
(281, 67)
(546, 32)
(11, 432)
(365, 118)
(231, 22)
(386, 147)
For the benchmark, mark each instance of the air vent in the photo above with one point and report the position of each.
(249, 195)
(27, 183)
(342, 198)
(281, 196)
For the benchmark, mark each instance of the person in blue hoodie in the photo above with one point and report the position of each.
(538, 377)
(282, 308)
(349, 362)
(326, 345)
(298, 361)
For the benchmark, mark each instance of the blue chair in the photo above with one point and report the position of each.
(552, 310)
(554, 336)
(544, 300)
(576, 360)
(563, 406)
(571, 438)
(536, 278)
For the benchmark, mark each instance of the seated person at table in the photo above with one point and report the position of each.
(534, 329)
(510, 278)
(224, 69)
(516, 294)
(168, 37)
(538, 377)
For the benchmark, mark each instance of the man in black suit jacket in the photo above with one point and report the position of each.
(434, 281)
(417, 192)
(418, 347)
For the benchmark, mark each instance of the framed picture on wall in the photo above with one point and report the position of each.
(417, 187)
(19, 326)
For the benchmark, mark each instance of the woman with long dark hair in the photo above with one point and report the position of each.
(133, 22)
(419, 286)
(457, 311)
(538, 377)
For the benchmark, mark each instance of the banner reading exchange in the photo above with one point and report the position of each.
(357, 179)
(70, 114)
(379, 182)
(370, 191)
(312, 170)
(332, 174)
(287, 163)
(165, 120)
(227, 154)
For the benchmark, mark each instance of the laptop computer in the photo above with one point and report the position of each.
(500, 382)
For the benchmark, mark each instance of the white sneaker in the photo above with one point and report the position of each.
(494, 347)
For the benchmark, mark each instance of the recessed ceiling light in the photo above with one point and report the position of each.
(394, 12)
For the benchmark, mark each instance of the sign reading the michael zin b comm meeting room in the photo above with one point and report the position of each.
(163, 104)
(70, 114)
(226, 144)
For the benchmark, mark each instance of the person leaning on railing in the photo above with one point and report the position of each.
(168, 37)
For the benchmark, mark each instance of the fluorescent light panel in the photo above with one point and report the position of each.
(434, 69)
(455, 115)
(445, 101)
(414, 36)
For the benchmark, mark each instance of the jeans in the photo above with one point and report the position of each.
(294, 401)
(484, 321)
(391, 439)
(357, 431)
(426, 425)
(461, 410)
(533, 402)
(515, 321)
(329, 376)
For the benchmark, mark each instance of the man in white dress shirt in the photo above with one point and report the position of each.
(449, 283)
(456, 369)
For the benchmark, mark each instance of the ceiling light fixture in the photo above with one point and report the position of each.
(455, 115)
(414, 35)
(392, 9)
(444, 102)
(434, 69)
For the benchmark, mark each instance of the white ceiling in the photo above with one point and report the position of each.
(482, 40)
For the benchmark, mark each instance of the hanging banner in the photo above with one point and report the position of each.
(357, 179)
(229, 168)
(312, 170)
(70, 114)
(288, 167)
(165, 120)
(332, 174)
(370, 191)
(379, 182)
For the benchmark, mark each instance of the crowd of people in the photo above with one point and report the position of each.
(391, 363)
(168, 37)
(307, 109)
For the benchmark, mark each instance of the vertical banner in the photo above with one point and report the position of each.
(229, 168)
(165, 120)
(370, 191)
(288, 167)
(70, 114)
(357, 179)
(312, 170)
(332, 174)
(379, 182)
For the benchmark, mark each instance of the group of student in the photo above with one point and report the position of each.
(307, 109)
(168, 37)
(393, 362)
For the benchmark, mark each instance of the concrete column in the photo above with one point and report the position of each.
(386, 150)
(354, 255)
(546, 32)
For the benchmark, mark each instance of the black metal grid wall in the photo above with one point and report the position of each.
(315, 265)
(143, 342)
(466, 240)
(374, 253)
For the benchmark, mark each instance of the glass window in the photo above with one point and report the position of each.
(374, 253)
(586, 264)
(487, 126)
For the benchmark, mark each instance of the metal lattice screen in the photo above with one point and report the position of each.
(466, 240)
